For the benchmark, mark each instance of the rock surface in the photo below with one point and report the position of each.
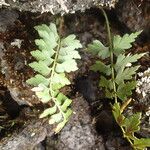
(7, 18)
(26, 139)
(135, 14)
(79, 133)
(143, 92)
(57, 6)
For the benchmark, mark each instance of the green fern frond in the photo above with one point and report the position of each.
(101, 67)
(126, 74)
(125, 89)
(119, 82)
(123, 61)
(97, 48)
(123, 69)
(142, 143)
(54, 57)
(120, 44)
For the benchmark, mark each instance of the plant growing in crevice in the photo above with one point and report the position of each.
(117, 80)
(55, 57)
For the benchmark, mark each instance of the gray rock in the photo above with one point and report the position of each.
(7, 18)
(57, 6)
(27, 139)
(117, 143)
(143, 93)
(134, 14)
(79, 133)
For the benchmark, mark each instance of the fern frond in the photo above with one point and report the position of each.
(105, 83)
(97, 48)
(142, 143)
(126, 74)
(101, 67)
(54, 57)
(123, 60)
(125, 89)
(119, 83)
(120, 44)
(38, 79)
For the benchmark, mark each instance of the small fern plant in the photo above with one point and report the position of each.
(117, 80)
(54, 57)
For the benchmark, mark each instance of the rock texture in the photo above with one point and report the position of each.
(56, 6)
(143, 92)
(14, 74)
(135, 14)
(78, 134)
(26, 139)
(7, 18)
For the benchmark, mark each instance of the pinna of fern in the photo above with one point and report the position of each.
(54, 57)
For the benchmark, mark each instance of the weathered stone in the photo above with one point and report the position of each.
(57, 6)
(7, 18)
(27, 139)
(134, 14)
(79, 133)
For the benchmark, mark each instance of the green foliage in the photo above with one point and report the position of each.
(97, 48)
(120, 44)
(123, 60)
(53, 58)
(117, 81)
(129, 126)
(142, 143)
(101, 67)
(125, 89)
(123, 71)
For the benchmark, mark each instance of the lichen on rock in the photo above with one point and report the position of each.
(58, 6)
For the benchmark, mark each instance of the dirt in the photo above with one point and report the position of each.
(93, 126)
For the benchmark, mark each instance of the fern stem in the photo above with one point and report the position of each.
(52, 75)
(53, 69)
(55, 59)
(111, 53)
(123, 131)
